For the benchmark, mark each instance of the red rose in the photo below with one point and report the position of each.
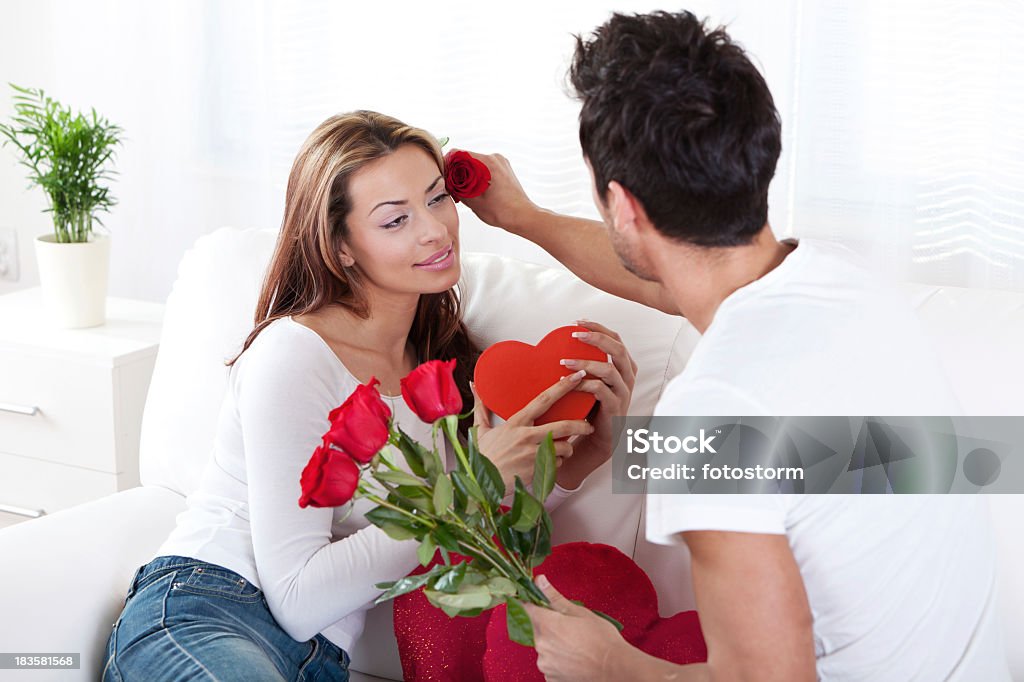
(360, 425)
(368, 397)
(329, 479)
(464, 176)
(431, 392)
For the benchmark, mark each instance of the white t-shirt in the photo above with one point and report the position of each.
(316, 566)
(901, 587)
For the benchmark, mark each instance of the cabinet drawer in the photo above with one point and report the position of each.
(36, 485)
(74, 422)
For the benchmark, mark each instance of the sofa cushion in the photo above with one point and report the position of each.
(64, 576)
(209, 313)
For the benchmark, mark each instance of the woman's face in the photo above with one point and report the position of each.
(403, 229)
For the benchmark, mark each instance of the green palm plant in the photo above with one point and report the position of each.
(66, 154)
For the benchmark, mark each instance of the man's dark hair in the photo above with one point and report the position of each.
(681, 118)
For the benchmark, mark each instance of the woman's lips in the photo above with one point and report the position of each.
(441, 260)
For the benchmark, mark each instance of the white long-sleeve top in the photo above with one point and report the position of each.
(317, 567)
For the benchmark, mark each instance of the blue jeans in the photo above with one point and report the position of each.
(185, 619)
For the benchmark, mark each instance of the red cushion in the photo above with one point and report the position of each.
(434, 647)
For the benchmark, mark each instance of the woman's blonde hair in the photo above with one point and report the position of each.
(306, 272)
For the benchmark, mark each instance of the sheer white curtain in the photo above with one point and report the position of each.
(907, 135)
(902, 122)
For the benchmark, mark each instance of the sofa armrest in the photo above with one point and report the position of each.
(1008, 526)
(64, 577)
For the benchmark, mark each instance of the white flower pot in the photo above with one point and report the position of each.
(73, 278)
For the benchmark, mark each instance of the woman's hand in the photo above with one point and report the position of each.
(512, 446)
(612, 385)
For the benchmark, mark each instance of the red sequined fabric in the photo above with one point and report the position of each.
(436, 648)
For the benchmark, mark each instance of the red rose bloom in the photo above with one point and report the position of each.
(360, 425)
(368, 397)
(329, 479)
(431, 392)
(465, 177)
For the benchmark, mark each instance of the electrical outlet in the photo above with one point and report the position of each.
(8, 255)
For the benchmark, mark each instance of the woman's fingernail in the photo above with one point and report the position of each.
(568, 363)
(542, 581)
(581, 335)
(578, 375)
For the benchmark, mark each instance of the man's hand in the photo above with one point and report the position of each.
(572, 642)
(577, 243)
(505, 203)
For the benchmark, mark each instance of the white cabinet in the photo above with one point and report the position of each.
(71, 403)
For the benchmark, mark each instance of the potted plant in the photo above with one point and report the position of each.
(67, 155)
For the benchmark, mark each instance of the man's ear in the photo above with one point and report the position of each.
(625, 210)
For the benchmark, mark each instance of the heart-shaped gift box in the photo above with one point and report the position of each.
(509, 374)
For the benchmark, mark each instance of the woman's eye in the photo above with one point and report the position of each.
(397, 222)
(439, 198)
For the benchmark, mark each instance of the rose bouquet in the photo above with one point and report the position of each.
(457, 512)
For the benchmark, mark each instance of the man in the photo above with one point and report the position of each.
(681, 136)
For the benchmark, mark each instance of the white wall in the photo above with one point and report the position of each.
(28, 59)
(903, 125)
(215, 98)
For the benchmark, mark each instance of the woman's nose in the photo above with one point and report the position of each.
(433, 230)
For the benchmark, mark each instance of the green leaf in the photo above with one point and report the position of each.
(468, 486)
(469, 597)
(520, 629)
(435, 467)
(396, 524)
(412, 499)
(539, 541)
(413, 453)
(407, 584)
(425, 552)
(526, 509)
(388, 455)
(396, 532)
(450, 580)
(501, 586)
(398, 478)
(544, 469)
(445, 540)
(443, 495)
(486, 473)
(510, 540)
(474, 519)
(465, 613)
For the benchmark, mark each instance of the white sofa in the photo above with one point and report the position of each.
(63, 577)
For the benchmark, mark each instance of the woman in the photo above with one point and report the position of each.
(249, 586)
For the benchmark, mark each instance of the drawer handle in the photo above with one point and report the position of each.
(30, 410)
(21, 511)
